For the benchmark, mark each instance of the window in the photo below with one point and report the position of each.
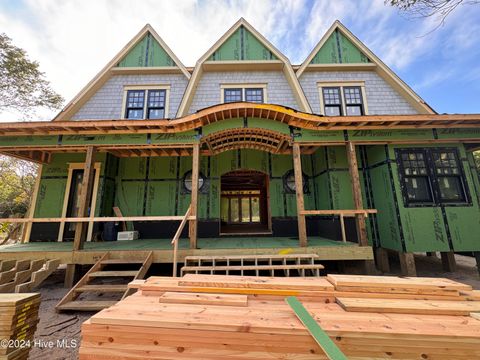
(353, 101)
(450, 181)
(156, 104)
(232, 95)
(342, 99)
(253, 93)
(431, 177)
(135, 103)
(415, 173)
(289, 183)
(187, 181)
(332, 100)
(146, 103)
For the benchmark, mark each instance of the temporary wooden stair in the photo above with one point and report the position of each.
(18, 276)
(289, 264)
(104, 277)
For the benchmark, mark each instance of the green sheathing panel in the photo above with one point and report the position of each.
(464, 221)
(338, 49)
(318, 135)
(237, 123)
(383, 197)
(147, 52)
(440, 228)
(372, 135)
(242, 45)
(162, 192)
(53, 184)
(28, 140)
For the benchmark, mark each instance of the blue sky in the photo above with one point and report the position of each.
(74, 39)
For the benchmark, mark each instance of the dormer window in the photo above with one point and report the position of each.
(255, 93)
(146, 103)
(342, 99)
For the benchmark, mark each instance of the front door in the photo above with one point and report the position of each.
(244, 202)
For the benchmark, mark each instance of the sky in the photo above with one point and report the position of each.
(74, 39)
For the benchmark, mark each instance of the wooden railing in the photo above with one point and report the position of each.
(177, 237)
(342, 214)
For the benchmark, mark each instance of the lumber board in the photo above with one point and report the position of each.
(426, 307)
(145, 326)
(395, 281)
(204, 299)
(255, 282)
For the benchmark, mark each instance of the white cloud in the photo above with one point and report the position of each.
(74, 39)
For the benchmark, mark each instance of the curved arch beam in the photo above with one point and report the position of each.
(247, 138)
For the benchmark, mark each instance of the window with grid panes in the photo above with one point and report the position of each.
(135, 104)
(449, 176)
(232, 95)
(156, 104)
(416, 179)
(254, 95)
(353, 100)
(332, 101)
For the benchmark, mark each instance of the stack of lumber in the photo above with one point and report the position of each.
(232, 317)
(18, 322)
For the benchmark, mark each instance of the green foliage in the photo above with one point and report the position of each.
(23, 86)
(17, 180)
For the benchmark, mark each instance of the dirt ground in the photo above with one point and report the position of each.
(66, 327)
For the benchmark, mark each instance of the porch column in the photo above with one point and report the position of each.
(84, 203)
(297, 168)
(192, 228)
(358, 204)
(357, 194)
(27, 229)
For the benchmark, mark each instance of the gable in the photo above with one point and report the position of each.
(242, 45)
(338, 49)
(146, 53)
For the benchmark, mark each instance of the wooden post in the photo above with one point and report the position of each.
(297, 168)
(448, 261)
(357, 194)
(358, 203)
(84, 203)
(192, 226)
(477, 258)
(407, 264)
(382, 259)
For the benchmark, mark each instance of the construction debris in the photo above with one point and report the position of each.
(222, 317)
(18, 322)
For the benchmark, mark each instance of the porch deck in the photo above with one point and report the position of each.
(326, 249)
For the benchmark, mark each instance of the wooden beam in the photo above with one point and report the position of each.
(85, 198)
(27, 229)
(297, 168)
(357, 194)
(448, 261)
(407, 264)
(192, 228)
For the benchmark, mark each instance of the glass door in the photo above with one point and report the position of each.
(240, 207)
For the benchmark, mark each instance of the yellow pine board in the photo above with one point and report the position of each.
(425, 307)
(395, 281)
(205, 299)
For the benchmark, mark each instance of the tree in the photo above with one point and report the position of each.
(23, 86)
(17, 180)
(429, 8)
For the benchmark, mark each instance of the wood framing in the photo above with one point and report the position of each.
(96, 181)
(85, 198)
(357, 194)
(383, 70)
(297, 167)
(192, 229)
